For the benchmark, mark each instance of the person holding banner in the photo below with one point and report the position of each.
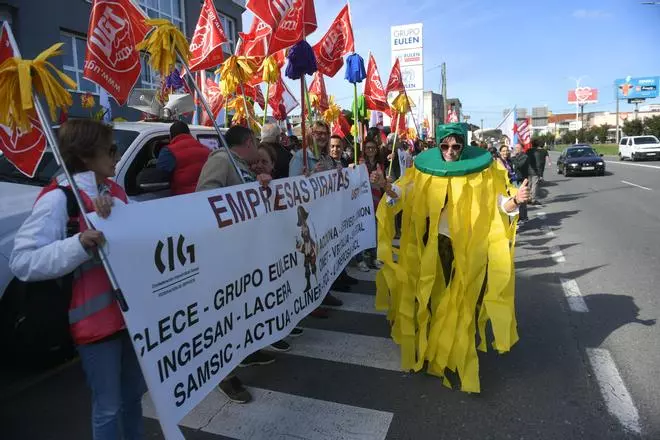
(320, 132)
(219, 173)
(42, 251)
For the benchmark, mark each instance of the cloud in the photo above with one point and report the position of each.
(592, 14)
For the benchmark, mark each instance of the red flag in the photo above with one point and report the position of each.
(374, 93)
(255, 42)
(336, 43)
(289, 20)
(215, 99)
(281, 100)
(395, 83)
(317, 87)
(207, 41)
(111, 61)
(24, 149)
(253, 92)
(399, 124)
(341, 128)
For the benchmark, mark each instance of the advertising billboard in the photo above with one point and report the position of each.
(583, 95)
(407, 46)
(637, 88)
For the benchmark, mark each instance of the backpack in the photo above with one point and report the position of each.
(34, 316)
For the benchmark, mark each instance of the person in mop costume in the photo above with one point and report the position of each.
(454, 272)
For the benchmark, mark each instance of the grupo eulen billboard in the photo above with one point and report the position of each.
(635, 88)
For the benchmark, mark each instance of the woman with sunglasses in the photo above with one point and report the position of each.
(44, 249)
(456, 250)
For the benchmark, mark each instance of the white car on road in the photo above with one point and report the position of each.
(136, 142)
(639, 147)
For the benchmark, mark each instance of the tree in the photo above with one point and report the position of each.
(652, 126)
(633, 128)
(568, 137)
(600, 132)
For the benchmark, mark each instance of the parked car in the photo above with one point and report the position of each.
(580, 159)
(137, 142)
(639, 147)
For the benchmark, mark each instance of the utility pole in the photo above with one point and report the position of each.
(444, 91)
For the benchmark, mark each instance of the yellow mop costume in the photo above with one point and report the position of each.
(435, 316)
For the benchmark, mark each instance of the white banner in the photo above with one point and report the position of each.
(211, 277)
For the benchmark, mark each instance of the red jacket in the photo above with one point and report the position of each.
(190, 157)
(93, 311)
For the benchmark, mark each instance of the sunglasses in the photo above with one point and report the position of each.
(455, 147)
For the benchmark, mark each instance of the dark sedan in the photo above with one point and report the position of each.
(580, 159)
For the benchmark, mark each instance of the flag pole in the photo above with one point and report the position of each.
(54, 145)
(396, 135)
(205, 105)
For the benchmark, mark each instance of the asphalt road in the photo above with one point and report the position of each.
(341, 379)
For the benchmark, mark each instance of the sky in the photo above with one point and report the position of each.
(506, 53)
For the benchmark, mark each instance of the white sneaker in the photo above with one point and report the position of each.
(363, 266)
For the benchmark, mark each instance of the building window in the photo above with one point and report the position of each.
(73, 61)
(149, 77)
(229, 26)
(171, 10)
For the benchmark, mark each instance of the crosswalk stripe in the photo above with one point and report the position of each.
(355, 302)
(275, 415)
(367, 351)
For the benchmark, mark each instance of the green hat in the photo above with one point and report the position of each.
(473, 160)
(455, 128)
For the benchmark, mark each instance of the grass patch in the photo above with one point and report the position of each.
(606, 149)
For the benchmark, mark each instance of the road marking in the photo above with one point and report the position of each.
(541, 215)
(573, 296)
(617, 398)
(356, 302)
(634, 164)
(547, 231)
(362, 276)
(348, 348)
(635, 185)
(557, 254)
(275, 415)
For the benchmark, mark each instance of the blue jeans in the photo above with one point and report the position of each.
(117, 385)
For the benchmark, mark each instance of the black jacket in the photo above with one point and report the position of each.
(521, 166)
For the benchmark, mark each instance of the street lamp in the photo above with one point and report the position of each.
(577, 105)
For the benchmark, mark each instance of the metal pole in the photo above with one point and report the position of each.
(52, 140)
(616, 94)
(209, 112)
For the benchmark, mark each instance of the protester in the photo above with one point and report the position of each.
(337, 150)
(271, 135)
(294, 143)
(42, 251)
(375, 164)
(534, 158)
(455, 244)
(505, 159)
(219, 172)
(320, 133)
(182, 159)
(521, 167)
(541, 157)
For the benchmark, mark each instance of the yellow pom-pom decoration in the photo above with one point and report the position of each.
(271, 70)
(331, 115)
(234, 71)
(163, 43)
(19, 78)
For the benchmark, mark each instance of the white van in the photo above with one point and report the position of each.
(639, 147)
(136, 142)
